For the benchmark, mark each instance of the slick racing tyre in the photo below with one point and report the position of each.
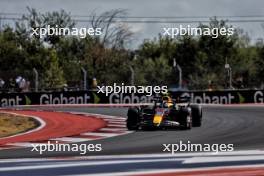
(132, 122)
(186, 121)
(196, 115)
(187, 124)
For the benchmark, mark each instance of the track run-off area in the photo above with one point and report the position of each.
(141, 152)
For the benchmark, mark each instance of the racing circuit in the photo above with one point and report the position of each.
(241, 125)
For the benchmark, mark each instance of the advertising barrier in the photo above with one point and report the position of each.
(92, 97)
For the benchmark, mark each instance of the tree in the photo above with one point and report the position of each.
(114, 34)
(34, 20)
(53, 76)
(260, 66)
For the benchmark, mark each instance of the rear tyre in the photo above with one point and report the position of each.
(197, 115)
(132, 122)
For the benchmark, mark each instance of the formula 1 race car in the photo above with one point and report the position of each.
(165, 113)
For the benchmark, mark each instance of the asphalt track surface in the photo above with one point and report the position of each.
(241, 126)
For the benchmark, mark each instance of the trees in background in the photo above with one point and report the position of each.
(59, 59)
(203, 59)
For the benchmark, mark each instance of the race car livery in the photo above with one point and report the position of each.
(165, 113)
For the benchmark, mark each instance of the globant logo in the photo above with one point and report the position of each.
(259, 97)
(129, 98)
(61, 99)
(204, 98)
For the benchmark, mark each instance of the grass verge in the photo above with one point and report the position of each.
(11, 124)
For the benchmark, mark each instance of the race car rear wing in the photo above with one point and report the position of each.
(180, 99)
(184, 99)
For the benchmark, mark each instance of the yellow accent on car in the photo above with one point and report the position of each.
(157, 119)
(168, 99)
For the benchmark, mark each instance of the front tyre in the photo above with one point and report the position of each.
(132, 122)
(187, 124)
(186, 119)
(197, 115)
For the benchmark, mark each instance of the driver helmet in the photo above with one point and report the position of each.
(165, 104)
